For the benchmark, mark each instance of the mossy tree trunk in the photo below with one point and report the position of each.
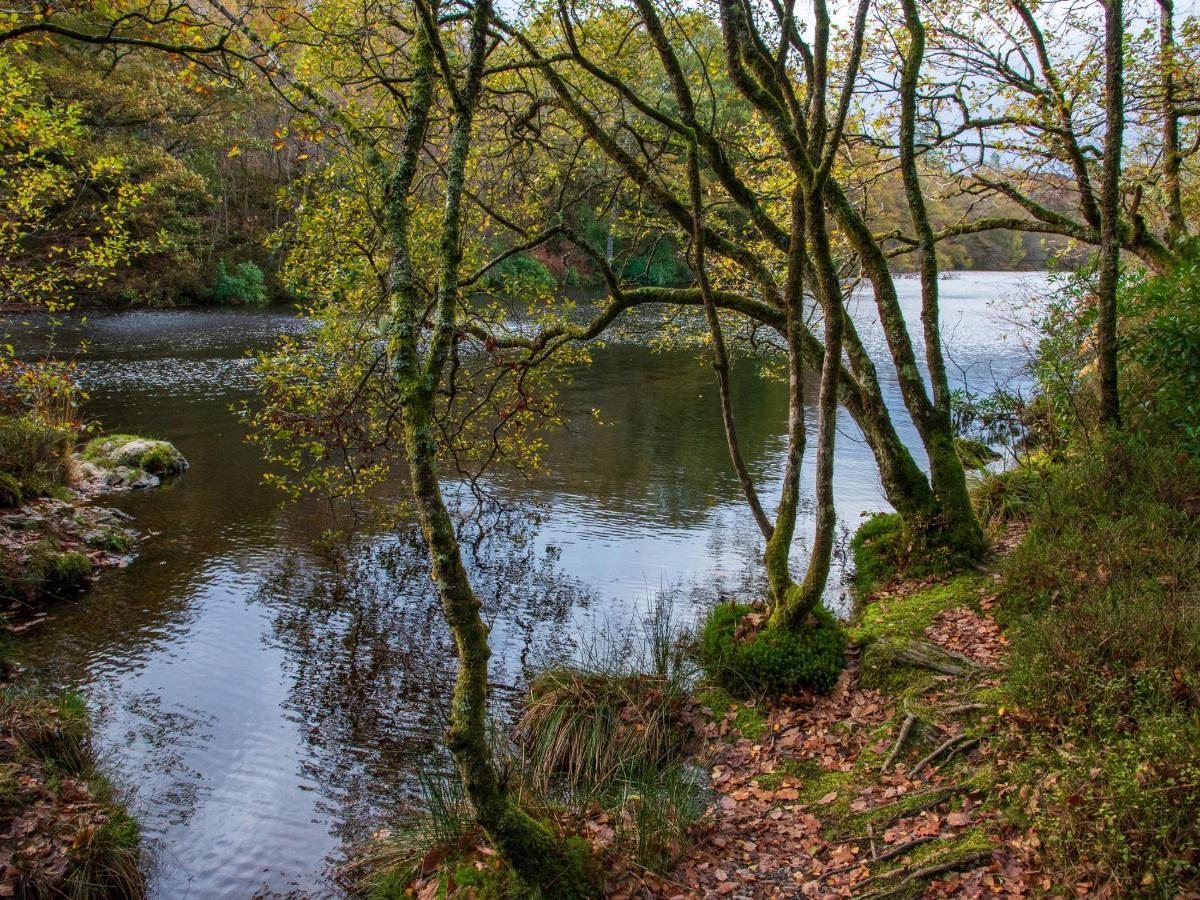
(537, 855)
(1110, 212)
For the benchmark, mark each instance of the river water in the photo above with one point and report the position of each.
(267, 699)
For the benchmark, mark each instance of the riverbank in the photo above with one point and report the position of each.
(1030, 729)
(64, 831)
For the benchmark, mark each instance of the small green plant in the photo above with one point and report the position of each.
(10, 490)
(158, 460)
(246, 284)
(747, 657)
(51, 573)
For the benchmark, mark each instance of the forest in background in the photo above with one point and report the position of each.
(195, 180)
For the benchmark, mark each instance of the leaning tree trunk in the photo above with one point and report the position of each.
(537, 855)
(952, 523)
(779, 545)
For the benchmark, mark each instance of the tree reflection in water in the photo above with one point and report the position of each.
(370, 660)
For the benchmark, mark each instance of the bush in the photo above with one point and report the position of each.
(36, 456)
(522, 274)
(10, 490)
(769, 660)
(245, 285)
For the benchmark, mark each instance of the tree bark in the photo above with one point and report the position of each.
(1172, 160)
(1110, 213)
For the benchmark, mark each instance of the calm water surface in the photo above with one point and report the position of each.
(266, 701)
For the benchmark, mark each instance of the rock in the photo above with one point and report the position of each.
(155, 457)
(124, 478)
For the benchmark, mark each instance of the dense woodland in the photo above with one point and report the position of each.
(426, 179)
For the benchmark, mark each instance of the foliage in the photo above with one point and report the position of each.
(35, 456)
(746, 657)
(522, 274)
(1159, 353)
(1162, 341)
(246, 284)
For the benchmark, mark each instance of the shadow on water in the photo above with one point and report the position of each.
(268, 697)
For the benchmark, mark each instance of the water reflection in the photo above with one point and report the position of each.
(269, 698)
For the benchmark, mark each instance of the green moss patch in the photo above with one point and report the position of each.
(748, 660)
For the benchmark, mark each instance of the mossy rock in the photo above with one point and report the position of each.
(153, 456)
(771, 661)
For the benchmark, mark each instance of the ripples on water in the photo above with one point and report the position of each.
(267, 700)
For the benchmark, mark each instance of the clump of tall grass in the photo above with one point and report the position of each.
(613, 730)
(49, 746)
(440, 829)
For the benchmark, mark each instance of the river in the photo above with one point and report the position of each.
(267, 699)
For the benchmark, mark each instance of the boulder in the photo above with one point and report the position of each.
(145, 454)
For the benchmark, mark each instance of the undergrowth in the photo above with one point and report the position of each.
(1104, 597)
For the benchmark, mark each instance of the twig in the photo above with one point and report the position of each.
(936, 752)
(900, 739)
(934, 797)
(959, 748)
(871, 836)
(882, 857)
(962, 708)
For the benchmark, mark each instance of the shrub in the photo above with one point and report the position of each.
(35, 455)
(769, 660)
(522, 274)
(10, 490)
(246, 284)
